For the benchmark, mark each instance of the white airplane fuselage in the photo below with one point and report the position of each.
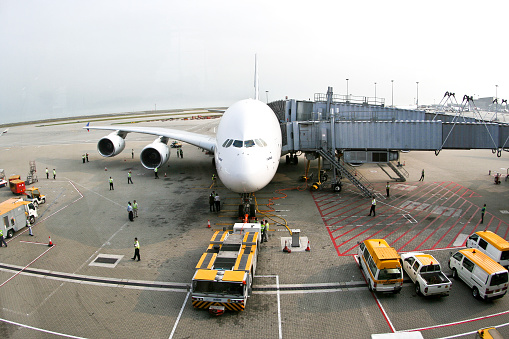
(248, 146)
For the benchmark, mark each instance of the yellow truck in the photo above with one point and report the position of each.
(224, 275)
(34, 195)
(14, 215)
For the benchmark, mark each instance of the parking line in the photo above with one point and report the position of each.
(39, 329)
(180, 314)
(24, 268)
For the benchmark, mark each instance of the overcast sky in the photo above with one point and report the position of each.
(67, 58)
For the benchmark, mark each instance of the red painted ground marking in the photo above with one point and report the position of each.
(330, 235)
(350, 239)
(386, 317)
(24, 268)
(442, 224)
(505, 235)
(459, 322)
(425, 228)
(461, 230)
(411, 229)
(360, 202)
(499, 223)
(453, 225)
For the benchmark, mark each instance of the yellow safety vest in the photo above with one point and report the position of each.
(137, 245)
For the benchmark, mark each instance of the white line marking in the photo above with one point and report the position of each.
(5, 282)
(39, 329)
(464, 334)
(180, 314)
(460, 240)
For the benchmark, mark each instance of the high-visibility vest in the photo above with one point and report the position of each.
(267, 226)
(129, 174)
(1, 233)
(111, 181)
(135, 206)
(46, 171)
(263, 227)
(387, 186)
(54, 172)
(155, 169)
(373, 202)
(483, 209)
(137, 244)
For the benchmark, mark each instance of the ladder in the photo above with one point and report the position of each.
(350, 173)
(32, 176)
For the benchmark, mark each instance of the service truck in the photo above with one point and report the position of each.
(15, 213)
(224, 275)
(16, 184)
(425, 272)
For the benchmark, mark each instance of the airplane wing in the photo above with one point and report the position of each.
(199, 140)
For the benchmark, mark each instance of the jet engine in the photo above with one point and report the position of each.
(156, 154)
(111, 145)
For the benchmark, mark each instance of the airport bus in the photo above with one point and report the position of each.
(381, 266)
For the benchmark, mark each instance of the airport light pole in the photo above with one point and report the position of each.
(417, 101)
(347, 95)
(267, 94)
(375, 93)
(392, 93)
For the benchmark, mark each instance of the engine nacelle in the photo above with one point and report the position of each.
(111, 145)
(155, 155)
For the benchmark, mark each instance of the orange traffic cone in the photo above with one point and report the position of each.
(50, 243)
(165, 174)
(286, 249)
(307, 248)
(208, 223)
(105, 169)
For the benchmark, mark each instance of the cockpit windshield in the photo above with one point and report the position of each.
(244, 143)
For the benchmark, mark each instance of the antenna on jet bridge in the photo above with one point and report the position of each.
(256, 80)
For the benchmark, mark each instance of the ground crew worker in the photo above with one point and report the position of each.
(86, 156)
(217, 201)
(29, 225)
(47, 173)
(387, 187)
(422, 175)
(111, 184)
(262, 228)
(130, 211)
(129, 180)
(214, 178)
(212, 202)
(132, 153)
(54, 174)
(483, 210)
(265, 232)
(2, 238)
(373, 206)
(181, 153)
(155, 171)
(135, 209)
(136, 249)
(83, 158)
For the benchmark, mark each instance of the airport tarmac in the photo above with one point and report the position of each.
(46, 292)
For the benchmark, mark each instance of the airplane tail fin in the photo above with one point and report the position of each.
(88, 124)
(257, 92)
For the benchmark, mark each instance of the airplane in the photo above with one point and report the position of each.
(246, 147)
(4, 131)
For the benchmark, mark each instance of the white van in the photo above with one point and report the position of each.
(496, 247)
(484, 275)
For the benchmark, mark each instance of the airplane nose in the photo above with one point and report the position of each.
(248, 175)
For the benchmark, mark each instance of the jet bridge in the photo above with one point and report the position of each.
(364, 130)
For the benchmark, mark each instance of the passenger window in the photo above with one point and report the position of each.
(225, 142)
(482, 243)
(504, 255)
(474, 237)
(410, 261)
(362, 246)
(458, 256)
(366, 255)
(499, 279)
(258, 142)
(468, 264)
(416, 266)
(372, 266)
(249, 143)
(230, 141)
(238, 143)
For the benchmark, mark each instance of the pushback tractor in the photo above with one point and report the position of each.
(224, 275)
